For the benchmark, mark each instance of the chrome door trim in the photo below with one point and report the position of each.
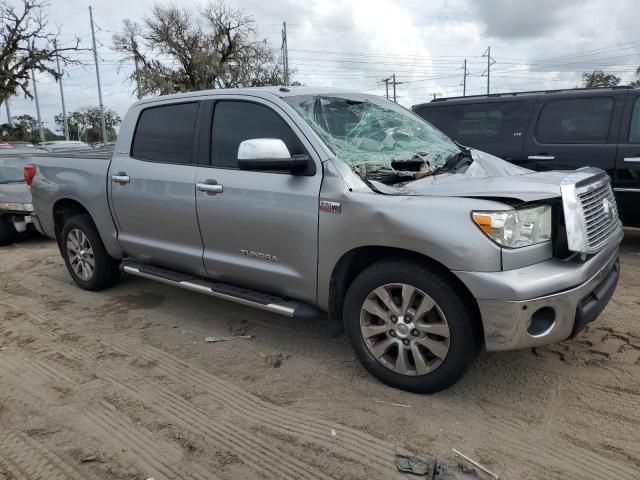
(632, 159)
(541, 157)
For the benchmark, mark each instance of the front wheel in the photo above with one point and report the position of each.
(88, 262)
(410, 326)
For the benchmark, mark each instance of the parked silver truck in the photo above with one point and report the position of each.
(306, 202)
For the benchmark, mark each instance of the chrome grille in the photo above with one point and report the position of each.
(599, 215)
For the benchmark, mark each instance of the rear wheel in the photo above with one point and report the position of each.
(7, 232)
(410, 326)
(88, 262)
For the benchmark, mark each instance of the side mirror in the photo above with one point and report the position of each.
(269, 154)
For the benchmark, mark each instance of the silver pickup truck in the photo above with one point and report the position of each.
(305, 202)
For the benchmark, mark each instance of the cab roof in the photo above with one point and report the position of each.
(264, 92)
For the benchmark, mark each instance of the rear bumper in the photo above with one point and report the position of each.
(527, 320)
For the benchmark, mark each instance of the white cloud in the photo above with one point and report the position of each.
(357, 43)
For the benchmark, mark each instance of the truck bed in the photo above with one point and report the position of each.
(74, 175)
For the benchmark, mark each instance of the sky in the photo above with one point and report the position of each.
(355, 44)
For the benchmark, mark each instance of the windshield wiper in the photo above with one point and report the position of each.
(3, 182)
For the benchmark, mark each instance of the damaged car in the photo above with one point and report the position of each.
(316, 202)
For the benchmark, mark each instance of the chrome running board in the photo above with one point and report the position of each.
(224, 291)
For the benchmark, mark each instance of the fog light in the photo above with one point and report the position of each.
(541, 321)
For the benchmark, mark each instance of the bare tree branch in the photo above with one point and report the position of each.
(177, 49)
(26, 44)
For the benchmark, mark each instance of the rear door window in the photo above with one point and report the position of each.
(479, 123)
(165, 134)
(235, 121)
(578, 120)
(634, 126)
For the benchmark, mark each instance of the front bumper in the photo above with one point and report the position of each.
(517, 312)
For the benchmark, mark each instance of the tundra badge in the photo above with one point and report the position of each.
(330, 207)
(262, 256)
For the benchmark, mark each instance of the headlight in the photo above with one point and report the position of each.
(516, 228)
(17, 207)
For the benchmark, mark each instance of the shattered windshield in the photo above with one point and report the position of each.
(375, 136)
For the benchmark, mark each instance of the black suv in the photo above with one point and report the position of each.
(553, 130)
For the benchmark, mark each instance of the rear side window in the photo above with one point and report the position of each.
(165, 134)
(634, 127)
(236, 121)
(479, 123)
(579, 120)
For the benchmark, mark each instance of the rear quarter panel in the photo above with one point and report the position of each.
(82, 179)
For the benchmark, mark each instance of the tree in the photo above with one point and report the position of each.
(177, 49)
(85, 124)
(598, 78)
(636, 82)
(25, 45)
(25, 129)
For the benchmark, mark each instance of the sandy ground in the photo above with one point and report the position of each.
(120, 384)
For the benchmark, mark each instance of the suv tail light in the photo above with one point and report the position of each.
(29, 173)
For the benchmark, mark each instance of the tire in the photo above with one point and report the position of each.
(434, 315)
(87, 261)
(7, 233)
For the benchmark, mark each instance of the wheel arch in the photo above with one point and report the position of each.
(63, 209)
(356, 260)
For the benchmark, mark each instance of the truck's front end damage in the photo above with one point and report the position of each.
(556, 233)
(554, 299)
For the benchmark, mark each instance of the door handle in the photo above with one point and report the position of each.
(209, 187)
(120, 178)
(541, 157)
(632, 159)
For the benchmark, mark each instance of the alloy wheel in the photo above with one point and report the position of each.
(80, 254)
(404, 329)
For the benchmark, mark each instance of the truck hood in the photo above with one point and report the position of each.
(487, 177)
(15, 193)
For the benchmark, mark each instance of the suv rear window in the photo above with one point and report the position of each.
(578, 120)
(478, 123)
(165, 134)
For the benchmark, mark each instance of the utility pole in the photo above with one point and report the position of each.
(490, 61)
(394, 83)
(285, 54)
(95, 58)
(464, 78)
(64, 108)
(9, 120)
(35, 93)
(386, 85)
